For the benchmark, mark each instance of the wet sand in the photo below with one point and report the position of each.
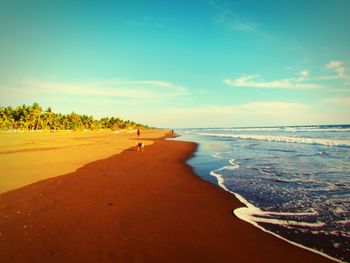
(134, 207)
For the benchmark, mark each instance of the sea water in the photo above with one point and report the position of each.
(295, 181)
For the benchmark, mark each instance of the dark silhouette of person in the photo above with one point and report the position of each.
(138, 132)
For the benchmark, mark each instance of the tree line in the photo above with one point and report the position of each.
(33, 117)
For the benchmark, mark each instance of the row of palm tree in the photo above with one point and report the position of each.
(33, 117)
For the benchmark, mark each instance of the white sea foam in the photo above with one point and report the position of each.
(259, 216)
(344, 222)
(217, 155)
(246, 214)
(326, 186)
(232, 161)
(252, 129)
(339, 210)
(311, 213)
(316, 129)
(220, 181)
(231, 167)
(275, 138)
(282, 129)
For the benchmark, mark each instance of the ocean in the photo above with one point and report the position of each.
(295, 181)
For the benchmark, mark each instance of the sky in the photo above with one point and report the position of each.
(180, 63)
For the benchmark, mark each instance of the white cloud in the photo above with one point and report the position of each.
(339, 100)
(242, 26)
(137, 100)
(254, 81)
(150, 21)
(260, 113)
(340, 90)
(271, 107)
(232, 21)
(144, 89)
(304, 73)
(249, 114)
(338, 67)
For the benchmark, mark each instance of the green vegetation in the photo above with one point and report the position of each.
(34, 118)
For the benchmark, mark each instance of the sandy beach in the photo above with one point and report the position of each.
(33, 156)
(115, 204)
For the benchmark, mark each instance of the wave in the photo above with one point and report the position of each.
(275, 138)
(259, 216)
(255, 214)
(250, 212)
(317, 130)
(327, 128)
(344, 222)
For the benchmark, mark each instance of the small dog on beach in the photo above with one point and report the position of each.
(140, 146)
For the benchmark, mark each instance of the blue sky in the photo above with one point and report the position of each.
(180, 63)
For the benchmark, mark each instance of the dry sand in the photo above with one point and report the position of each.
(134, 207)
(33, 156)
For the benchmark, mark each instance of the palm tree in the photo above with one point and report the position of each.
(32, 117)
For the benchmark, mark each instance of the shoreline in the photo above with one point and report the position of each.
(244, 213)
(291, 227)
(134, 206)
(237, 212)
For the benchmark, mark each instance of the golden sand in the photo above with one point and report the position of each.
(33, 156)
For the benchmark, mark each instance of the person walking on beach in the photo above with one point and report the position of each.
(138, 132)
(140, 144)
